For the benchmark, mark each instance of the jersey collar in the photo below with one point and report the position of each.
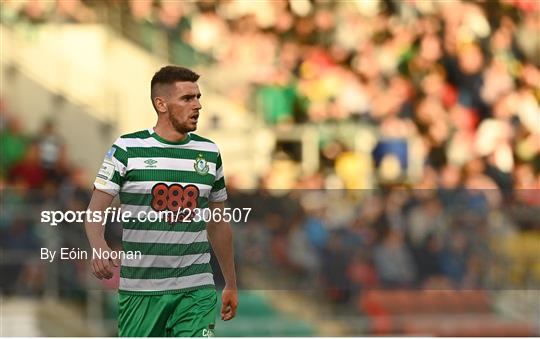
(160, 139)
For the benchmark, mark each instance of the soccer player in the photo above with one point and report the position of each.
(169, 290)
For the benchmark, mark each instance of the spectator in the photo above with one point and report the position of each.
(454, 258)
(13, 144)
(29, 169)
(52, 150)
(427, 259)
(394, 262)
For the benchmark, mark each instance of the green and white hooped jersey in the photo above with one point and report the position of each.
(154, 175)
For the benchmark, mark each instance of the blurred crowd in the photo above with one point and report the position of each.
(328, 241)
(458, 81)
(36, 175)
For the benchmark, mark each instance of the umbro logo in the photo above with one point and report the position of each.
(150, 163)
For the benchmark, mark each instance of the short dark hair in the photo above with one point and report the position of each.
(171, 74)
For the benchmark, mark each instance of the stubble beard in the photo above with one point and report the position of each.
(180, 128)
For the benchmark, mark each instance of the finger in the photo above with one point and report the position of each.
(233, 309)
(115, 262)
(234, 306)
(96, 270)
(93, 269)
(108, 273)
(224, 308)
(101, 269)
(229, 312)
(229, 315)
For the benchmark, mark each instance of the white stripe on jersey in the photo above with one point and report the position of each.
(106, 186)
(152, 142)
(150, 285)
(164, 237)
(144, 187)
(168, 164)
(218, 196)
(167, 261)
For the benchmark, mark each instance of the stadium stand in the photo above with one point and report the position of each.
(438, 313)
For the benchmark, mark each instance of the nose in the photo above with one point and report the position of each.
(197, 104)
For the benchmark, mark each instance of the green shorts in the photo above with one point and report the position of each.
(184, 314)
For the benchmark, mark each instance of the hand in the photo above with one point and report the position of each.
(103, 268)
(229, 303)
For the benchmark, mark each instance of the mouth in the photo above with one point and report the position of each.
(194, 118)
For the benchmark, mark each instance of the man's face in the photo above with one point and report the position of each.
(183, 106)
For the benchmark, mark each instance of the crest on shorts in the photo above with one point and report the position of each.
(209, 332)
(201, 165)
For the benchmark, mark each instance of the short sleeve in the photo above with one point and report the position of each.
(218, 192)
(111, 175)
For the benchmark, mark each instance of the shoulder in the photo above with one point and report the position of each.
(127, 140)
(205, 142)
(196, 137)
(143, 134)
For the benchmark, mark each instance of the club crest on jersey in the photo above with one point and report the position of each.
(201, 165)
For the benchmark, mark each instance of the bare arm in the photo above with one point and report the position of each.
(220, 236)
(95, 232)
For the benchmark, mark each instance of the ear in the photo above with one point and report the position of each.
(160, 104)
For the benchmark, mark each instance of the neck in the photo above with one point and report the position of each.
(165, 130)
